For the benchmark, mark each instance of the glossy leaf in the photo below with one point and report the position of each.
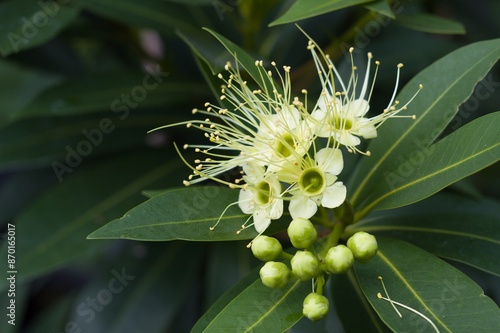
(52, 230)
(417, 279)
(246, 61)
(26, 23)
(354, 311)
(252, 307)
(114, 91)
(430, 23)
(465, 151)
(21, 85)
(381, 7)
(39, 142)
(187, 214)
(159, 15)
(448, 226)
(303, 9)
(447, 84)
(140, 291)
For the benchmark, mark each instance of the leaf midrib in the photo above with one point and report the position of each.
(415, 294)
(430, 230)
(419, 180)
(411, 127)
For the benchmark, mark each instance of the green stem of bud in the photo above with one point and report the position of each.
(332, 239)
(320, 282)
(285, 256)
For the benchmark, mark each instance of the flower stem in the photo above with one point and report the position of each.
(285, 256)
(320, 283)
(332, 239)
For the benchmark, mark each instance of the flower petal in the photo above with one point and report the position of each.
(261, 221)
(275, 210)
(253, 173)
(330, 160)
(334, 195)
(302, 206)
(359, 107)
(245, 201)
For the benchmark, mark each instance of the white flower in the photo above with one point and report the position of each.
(262, 199)
(314, 183)
(263, 127)
(341, 114)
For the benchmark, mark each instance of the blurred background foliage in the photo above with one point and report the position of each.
(105, 72)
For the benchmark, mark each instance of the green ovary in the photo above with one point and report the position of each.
(263, 193)
(312, 182)
(340, 123)
(280, 148)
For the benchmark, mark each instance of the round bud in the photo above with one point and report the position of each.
(339, 259)
(363, 246)
(305, 265)
(275, 274)
(315, 306)
(302, 233)
(266, 248)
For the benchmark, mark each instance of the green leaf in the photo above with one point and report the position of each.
(51, 232)
(113, 91)
(146, 292)
(41, 142)
(419, 280)
(252, 307)
(448, 226)
(303, 9)
(21, 85)
(447, 84)
(159, 15)
(381, 7)
(430, 23)
(465, 151)
(354, 311)
(26, 23)
(187, 214)
(246, 61)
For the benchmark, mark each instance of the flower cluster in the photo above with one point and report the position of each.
(277, 142)
(288, 153)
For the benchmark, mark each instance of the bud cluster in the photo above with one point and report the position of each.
(306, 264)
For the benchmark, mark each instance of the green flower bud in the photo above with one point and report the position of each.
(305, 265)
(302, 233)
(315, 306)
(275, 274)
(339, 259)
(266, 248)
(363, 246)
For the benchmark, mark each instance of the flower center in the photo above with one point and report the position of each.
(312, 182)
(340, 123)
(280, 148)
(263, 193)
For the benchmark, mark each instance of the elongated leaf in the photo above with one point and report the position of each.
(381, 7)
(39, 142)
(159, 15)
(213, 54)
(463, 230)
(246, 61)
(139, 293)
(252, 307)
(417, 279)
(465, 151)
(355, 313)
(21, 85)
(187, 214)
(51, 232)
(303, 9)
(26, 23)
(430, 23)
(447, 84)
(113, 91)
